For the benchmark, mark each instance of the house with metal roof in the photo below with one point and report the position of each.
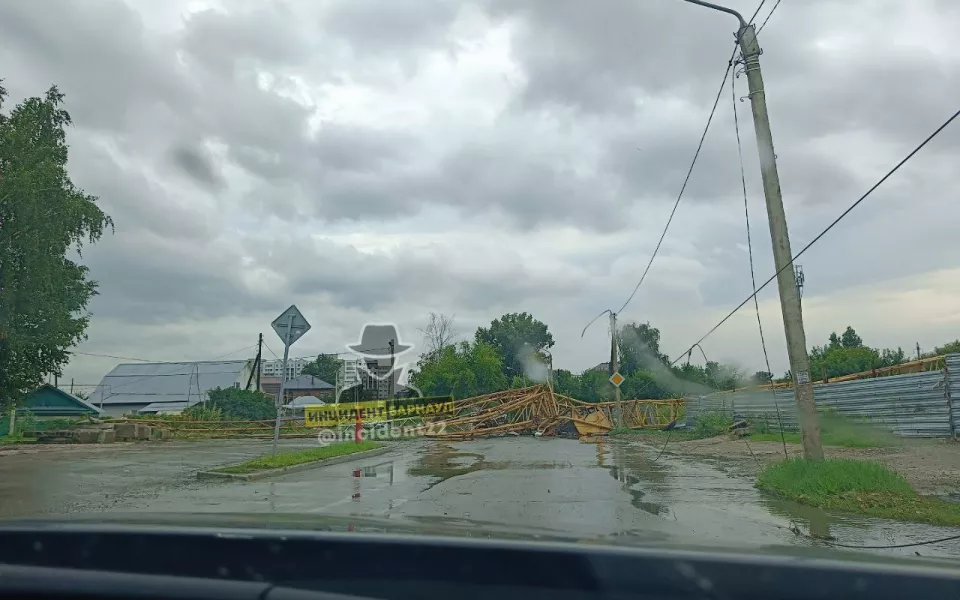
(48, 402)
(306, 385)
(150, 388)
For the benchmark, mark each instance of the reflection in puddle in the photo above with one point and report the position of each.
(382, 471)
(632, 468)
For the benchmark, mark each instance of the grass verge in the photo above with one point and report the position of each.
(288, 459)
(858, 486)
(835, 430)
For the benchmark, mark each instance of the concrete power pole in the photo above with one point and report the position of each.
(615, 368)
(782, 254)
(391, 390)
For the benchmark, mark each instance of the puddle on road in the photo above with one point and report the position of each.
(442, 462)
(655, 485)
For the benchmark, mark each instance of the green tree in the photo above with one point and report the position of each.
(566, 383)
(850, 339)
(763, 377)
(243, 405)
(325, 367)
(463, 370)
(639, 347)
(43, 217)
(510, 335)
(948, 348)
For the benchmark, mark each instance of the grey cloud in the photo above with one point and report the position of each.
(268, 35)
(96, 51)
(198, 164)
(600, 56)
(373, 26)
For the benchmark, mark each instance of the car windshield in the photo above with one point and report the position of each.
(504, 268)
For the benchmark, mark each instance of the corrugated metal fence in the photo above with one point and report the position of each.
(916, 404)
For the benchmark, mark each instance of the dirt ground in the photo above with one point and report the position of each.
(931, 466)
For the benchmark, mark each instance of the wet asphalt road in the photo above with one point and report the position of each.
(586, 490)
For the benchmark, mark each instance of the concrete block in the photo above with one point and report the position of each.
(106, 436)
(142, 431)
(125, 431)
(86, 436)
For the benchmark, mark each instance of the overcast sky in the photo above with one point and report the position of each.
(378, 160)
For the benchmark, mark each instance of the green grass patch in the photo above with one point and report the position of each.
(288, 459)
(711, 425)
(858, 486)
(835, 430)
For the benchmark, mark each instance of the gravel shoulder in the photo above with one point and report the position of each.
(931, 466)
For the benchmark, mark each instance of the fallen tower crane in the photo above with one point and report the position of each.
(538, 410)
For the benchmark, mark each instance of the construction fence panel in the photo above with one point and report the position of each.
(914, 405)
(953, 389)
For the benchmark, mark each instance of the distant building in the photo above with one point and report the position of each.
(603, 367)
(49, 402)
(149, 388)
(349, 373)
(375, 379)
(274, 368)
(307, 385)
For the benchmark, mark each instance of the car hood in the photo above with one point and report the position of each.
(408, 526)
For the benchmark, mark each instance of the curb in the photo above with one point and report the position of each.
(292, 468)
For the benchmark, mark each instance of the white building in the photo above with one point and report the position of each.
(349, 373)
(274, 368)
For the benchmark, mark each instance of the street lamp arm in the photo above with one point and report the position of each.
(721, 9)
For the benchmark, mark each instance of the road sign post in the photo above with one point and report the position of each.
(290, 326)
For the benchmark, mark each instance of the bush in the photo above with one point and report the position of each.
(242, 405)
(712, 425)
(200, 412)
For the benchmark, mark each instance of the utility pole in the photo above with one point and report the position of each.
(782, 254)
(71, 379)
(391, 391)
(615, 368)
(918, 350)
(614, 360)
(259, 359)
(256, 365)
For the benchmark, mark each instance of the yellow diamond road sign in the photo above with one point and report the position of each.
(616, 379)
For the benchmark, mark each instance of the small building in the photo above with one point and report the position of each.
(49, 402)
(166, 387)
(307, 385)
(270, 386)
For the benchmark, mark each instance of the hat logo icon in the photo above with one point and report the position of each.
(379, 341)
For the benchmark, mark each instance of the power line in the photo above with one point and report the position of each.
(910, 545)
(116, 357)
(756, 12)
(686, 180)
(829, 227)
(770, 14)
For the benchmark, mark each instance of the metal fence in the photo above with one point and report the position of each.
(915, 404)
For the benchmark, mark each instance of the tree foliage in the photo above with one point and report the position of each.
(639, 348)
(463, 370)
(325, 367)
(846, 354)
(510, 335)
(43, 218)
(241, 405)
